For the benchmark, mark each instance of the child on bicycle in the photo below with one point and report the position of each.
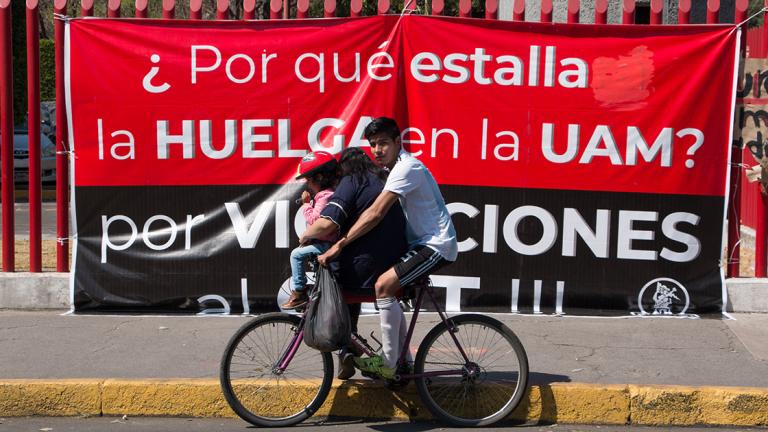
(321, 172)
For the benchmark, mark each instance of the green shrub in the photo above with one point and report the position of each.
(47, 70)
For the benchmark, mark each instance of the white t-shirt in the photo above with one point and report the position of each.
(428, 220)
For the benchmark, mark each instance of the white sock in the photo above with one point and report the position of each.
(392, 318)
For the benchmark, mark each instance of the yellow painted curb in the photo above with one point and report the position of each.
(50, 398)
(675, 405)
(554, 403)
(359, 398)
(578, 404)
(177, 397)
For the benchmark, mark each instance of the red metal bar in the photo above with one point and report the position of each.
(546, 11)
(518, 12)
(6, 134)
(195, 9)
(113, 9)
(329, 8)
(275, 9)
(62, 163)
(383, 7)
(355, 8)
(573, 11)
(249, 9)
(601, 11)
(657, 11)
(684, 12)
(169, 9)
(142, 9)
(33, 132)
(761, 236)
(222, 9)
(492, 9)
(438, 7)
(302, 8)
(741, 15)
(465, 8)
(86, 8)
(734, 206)
(628, 12)
(713, 11)
(409, 6)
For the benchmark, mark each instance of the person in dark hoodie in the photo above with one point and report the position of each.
(359, 265)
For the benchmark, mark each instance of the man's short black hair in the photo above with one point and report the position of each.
(381, 125)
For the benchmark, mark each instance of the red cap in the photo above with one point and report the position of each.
(314, 162)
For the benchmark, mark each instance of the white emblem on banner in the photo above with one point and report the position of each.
(663, 296)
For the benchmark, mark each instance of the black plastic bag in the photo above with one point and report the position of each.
(327, 324)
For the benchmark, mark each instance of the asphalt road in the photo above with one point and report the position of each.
(154, 424)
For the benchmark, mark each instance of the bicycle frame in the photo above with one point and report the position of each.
(282, 364)
(444, 317)
(298, 338)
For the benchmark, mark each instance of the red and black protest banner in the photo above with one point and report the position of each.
(585, 166)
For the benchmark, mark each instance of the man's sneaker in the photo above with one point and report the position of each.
(375, 365)
(346, 366)
(297, 299)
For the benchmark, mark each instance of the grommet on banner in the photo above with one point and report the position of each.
(763, 10)
(68, 153)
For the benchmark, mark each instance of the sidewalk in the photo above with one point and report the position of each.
(584, 370)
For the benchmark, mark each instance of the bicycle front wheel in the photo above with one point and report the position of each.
(481, 389)
(254, 382)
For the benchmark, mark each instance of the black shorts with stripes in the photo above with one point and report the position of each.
(419, 261)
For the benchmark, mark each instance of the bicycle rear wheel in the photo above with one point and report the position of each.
(483, 390)
(253, 385)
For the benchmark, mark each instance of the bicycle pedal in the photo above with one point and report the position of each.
(396, 385)
(400, 383)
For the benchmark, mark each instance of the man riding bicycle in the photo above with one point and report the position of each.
(430, 234)
(473, 380)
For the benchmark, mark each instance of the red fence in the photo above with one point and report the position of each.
(749, 202)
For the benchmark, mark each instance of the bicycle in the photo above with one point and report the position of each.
(469, 370)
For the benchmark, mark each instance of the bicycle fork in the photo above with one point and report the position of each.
(281, 365)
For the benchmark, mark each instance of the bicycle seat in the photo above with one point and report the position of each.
(407, 292)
